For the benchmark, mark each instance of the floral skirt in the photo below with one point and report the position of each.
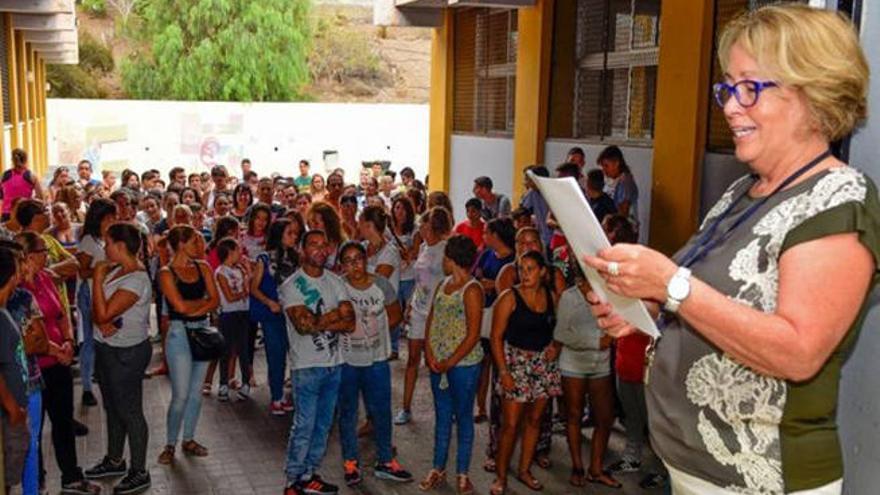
(533, 377)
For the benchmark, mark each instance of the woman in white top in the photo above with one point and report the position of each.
(383, 257)
(121, 299)
(434, 228)
(403, 231)
(99, 217)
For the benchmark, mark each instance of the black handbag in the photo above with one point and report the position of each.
(205, 343)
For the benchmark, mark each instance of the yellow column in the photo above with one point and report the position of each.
(681, 119)
(441, 104)
(33, 123)
(535, 34)
(23, 97)
(12, 60)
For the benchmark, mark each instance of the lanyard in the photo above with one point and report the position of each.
(708, 241)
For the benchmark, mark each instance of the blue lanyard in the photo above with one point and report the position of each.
(708, 241)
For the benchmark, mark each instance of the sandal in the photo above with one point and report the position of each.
(530, 481)
(578, 478)
(489, 465)
(167, 455)
(206, 389)
(193, 448)
(543, 462)
(498, 487)
(464, 485)
(435, 478)
(604, 478)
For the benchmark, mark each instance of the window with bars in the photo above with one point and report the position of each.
(4, 71)
(719, 138)
(604, 69)
(484, 48)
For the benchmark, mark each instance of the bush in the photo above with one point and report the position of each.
(96, 8)
(340, 54)
(72, 81)
(94, 55)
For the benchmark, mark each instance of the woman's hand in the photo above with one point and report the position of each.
(608, 320)
(642, 273)
(551, 353)
(507, 382)
(274, 307)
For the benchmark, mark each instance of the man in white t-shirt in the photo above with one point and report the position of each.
(317, 307)
(365, 370)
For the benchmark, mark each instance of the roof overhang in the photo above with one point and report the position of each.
(429, 13)
(48, 26)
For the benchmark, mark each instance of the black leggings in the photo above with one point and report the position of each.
(121, 374)
(58, 404)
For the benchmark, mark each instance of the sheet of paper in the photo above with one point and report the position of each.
(585, 236)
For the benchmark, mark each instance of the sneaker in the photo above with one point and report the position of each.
(625, 465)
(352, 473)
(244, 393)
(81, 487)
(88, 399)
(287, 404)
(80, 429)
(403, 417)
(292, 490)
(223, 393)
(134, 482)
(317, 486)
(392, 471)
(106, 469)
(276, 408)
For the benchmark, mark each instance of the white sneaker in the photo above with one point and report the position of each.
(244, 393)
(223, 393)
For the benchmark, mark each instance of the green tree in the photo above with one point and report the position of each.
(234, 50)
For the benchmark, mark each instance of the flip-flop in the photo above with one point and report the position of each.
(531, 482)
(581, 478)
(598, 480)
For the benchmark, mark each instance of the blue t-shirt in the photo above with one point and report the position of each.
(487, 267)
(13, 365)
(539, 208)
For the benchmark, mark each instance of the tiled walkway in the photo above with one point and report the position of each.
(247, 449)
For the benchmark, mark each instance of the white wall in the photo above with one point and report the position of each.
(120, 134)
(639, 160)
(473, 156)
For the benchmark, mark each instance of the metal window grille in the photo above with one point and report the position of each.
(616, 45)
(4, 70)
(485, 42)
(719, 138)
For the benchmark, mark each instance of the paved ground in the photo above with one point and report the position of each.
(247, 449)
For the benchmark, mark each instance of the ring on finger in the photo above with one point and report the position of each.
(614, 268)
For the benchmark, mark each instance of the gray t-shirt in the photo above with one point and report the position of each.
(580, 336)
(319, 295)
(13, 366)
(388, 255)
(371, 340)
(134, 322)
(717, 419)
(496, 209)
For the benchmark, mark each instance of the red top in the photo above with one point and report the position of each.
(630, 357)
(475, 233)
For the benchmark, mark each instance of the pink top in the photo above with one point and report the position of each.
(16, 185)
(46, 294)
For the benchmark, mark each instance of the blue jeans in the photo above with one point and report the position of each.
(87, 348)
(30, 479)
(275, 336)
(455, 404)
(315, 394)
(186, 383)
(404, 293)
(374, 382)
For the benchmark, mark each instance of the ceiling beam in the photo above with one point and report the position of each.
(35, 22)
(37, 6)
(65, 36)
(54, 47)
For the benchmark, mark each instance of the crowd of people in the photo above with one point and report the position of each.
(758, 310)
(328, 278)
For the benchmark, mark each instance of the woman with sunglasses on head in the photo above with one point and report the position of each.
(121, 297)
(762, 305)
(188, 286)
(55, 366)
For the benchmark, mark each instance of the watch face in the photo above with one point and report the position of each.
(679, 288)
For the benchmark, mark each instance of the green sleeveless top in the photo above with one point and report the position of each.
(715, 418)
(449, 325)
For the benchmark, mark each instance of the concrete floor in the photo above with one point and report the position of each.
(247, 448)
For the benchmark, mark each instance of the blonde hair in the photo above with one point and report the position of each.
(814, 51)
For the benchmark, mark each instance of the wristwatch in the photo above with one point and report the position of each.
(678, 289)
